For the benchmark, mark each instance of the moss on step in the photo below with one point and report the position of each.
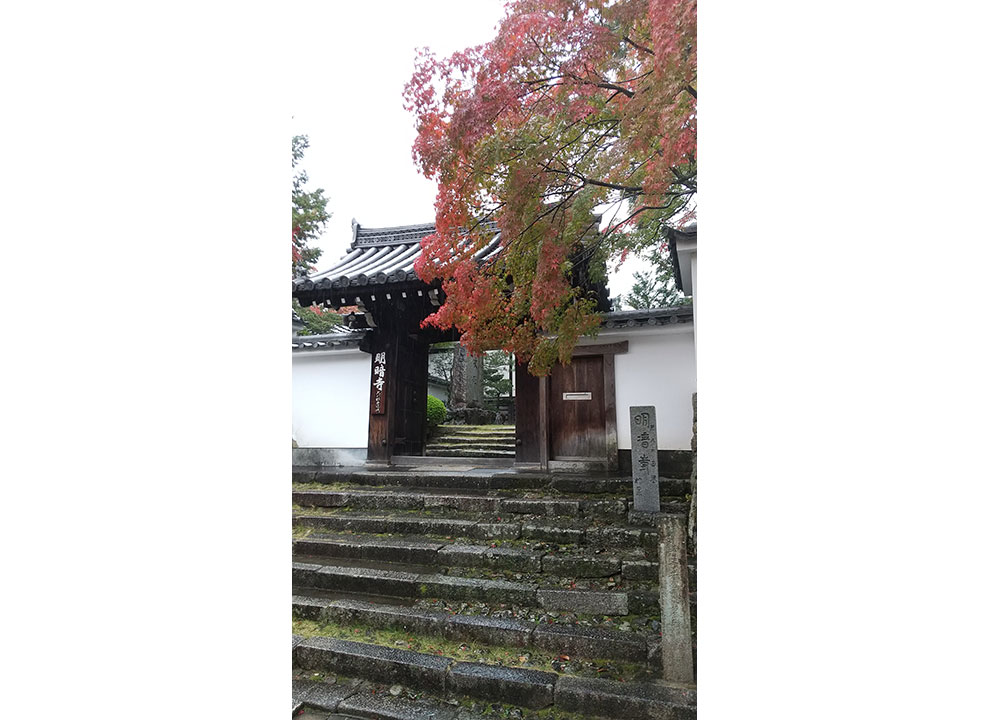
(552, 582)
(640, 624)
(329, 487)
(529, 657)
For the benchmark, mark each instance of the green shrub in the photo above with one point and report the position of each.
(436, 412)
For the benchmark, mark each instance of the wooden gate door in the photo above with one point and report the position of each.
(411, 376)
(397, 424)
(577, 410)
(527, 416)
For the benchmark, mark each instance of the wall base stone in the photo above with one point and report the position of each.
(675, 464)
(312, 457)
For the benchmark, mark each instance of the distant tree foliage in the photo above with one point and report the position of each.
(497, 380)
(309, 214)
(317, 320)
(441, 361)
(655, 288)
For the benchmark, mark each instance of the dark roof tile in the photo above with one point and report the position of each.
(379, 256)
(340, 338)
(632, 319)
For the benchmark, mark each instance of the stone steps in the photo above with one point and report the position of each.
(452, 524)
(450, 429)
(469, 451)
(487, 441)
(476, 570)
(449, 554)
(420, 583)
(348, 697)
(475, 438)
(614, 508)
(444, 677)
(562, 638)
(486, 480)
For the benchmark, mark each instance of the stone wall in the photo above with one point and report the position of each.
(674, 464)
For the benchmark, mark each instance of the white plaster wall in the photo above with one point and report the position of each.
(658, 370)
(331, 393)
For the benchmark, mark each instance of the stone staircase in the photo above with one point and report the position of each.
(487, 441)
(482, 594)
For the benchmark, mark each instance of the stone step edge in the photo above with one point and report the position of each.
(474, 428)
(473, 437)
(359, 703)
(495, 481)
(409, 500)
(441, 497)
(507, 440)
(386, 499)
(534, 689)
(468, 453)
(485, 528)
(562, 638)
(528, 528)
(491, 446)
(366, 547)
(488, 447)
(412, 585)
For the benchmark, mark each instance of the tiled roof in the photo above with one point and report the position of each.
(379, 256)
(340, 338)
(631, 319)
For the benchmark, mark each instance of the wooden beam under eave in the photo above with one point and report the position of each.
(606, 349)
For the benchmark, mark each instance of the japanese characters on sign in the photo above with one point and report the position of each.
(378, 384)
(646, 473)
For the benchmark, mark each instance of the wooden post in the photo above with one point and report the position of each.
(611, 432)
(676, 655)
(544, 424)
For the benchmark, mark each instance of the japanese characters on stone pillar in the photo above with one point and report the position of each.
(378, 384)
(646, 474)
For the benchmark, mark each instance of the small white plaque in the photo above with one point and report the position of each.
(577, 396)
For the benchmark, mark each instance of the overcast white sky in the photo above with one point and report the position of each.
(353, 61)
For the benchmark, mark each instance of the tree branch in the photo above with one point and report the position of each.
(597, 183)
(637, 45)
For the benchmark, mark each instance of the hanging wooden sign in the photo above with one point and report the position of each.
(378, 384)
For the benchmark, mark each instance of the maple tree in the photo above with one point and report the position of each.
(575, 131)
(309, 213)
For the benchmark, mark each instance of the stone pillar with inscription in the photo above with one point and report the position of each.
(646, 473)
(467, 377)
